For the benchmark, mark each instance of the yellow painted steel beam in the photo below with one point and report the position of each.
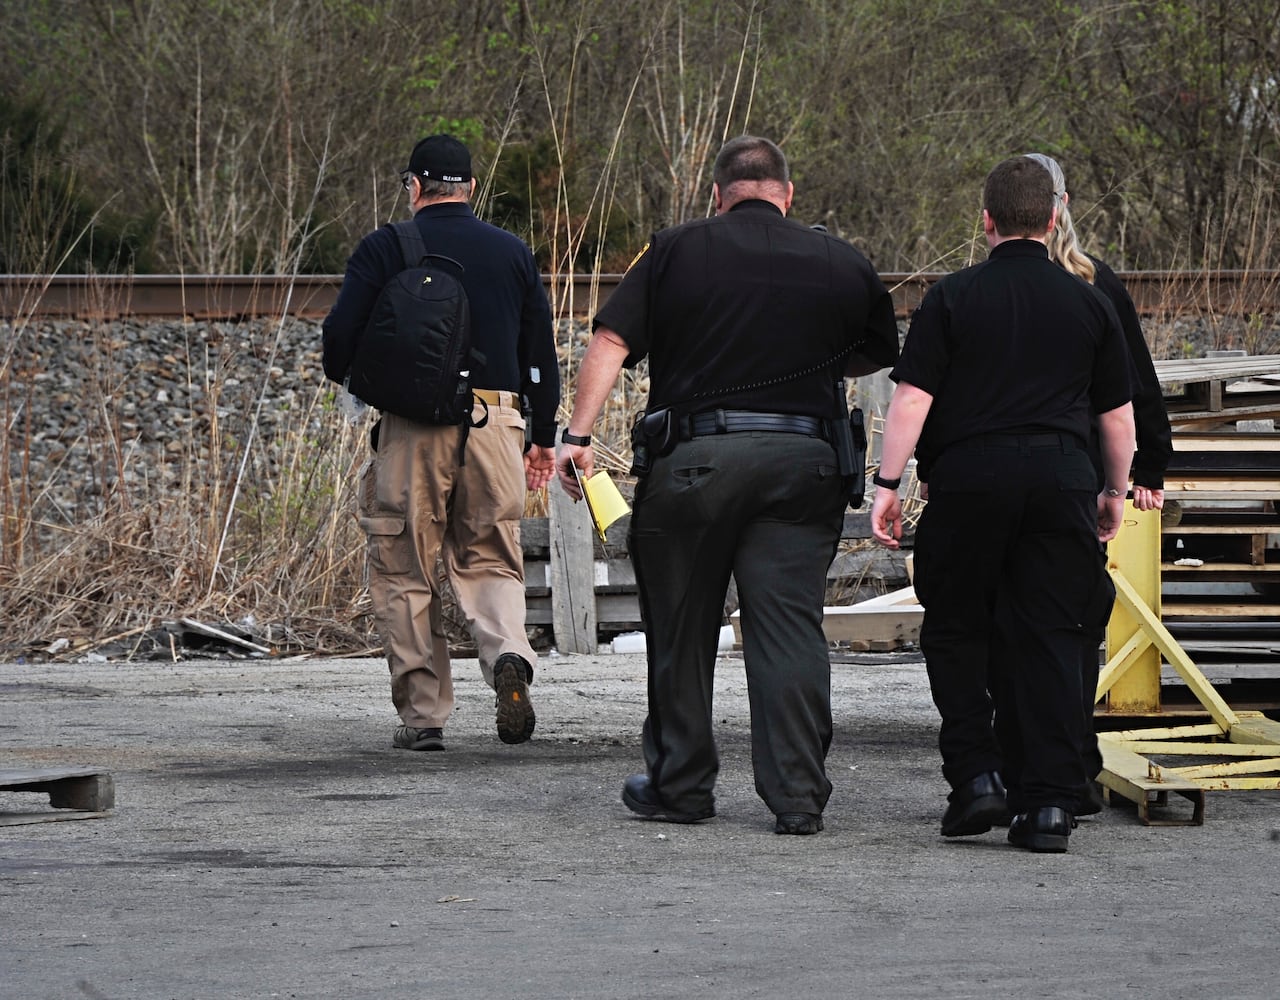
(1165, 642)
(1171, 733)
(1181, 749)
(1244, 744)
(1254, 727)
(1229, 768)
(1240, 784)
(1120, 661)
(1146, 784)
(1134, 554)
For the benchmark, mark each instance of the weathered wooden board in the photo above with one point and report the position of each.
(882, 623)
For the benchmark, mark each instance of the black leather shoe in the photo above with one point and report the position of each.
(1044, 830)
(1091, 800)
(799, 823)
(975, 807)
(639, 796)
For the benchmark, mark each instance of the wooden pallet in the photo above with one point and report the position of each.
(1208, 392)
(74, 793)
(1227, 485)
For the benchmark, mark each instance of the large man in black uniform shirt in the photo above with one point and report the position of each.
(1002, 367)
(748, 320)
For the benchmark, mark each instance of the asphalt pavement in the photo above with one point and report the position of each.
(267, 841)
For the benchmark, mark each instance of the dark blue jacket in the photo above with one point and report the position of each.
(510, 317)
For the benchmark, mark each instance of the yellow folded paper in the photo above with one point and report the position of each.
(604, 501)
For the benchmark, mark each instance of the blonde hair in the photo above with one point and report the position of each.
(1064, 248)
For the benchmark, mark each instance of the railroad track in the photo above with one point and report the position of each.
(309, 296)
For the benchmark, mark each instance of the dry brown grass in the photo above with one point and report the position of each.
(241, 522)
(266, 542)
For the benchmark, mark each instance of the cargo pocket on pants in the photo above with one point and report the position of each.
(389, 550)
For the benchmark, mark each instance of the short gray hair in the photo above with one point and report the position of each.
(444, 189)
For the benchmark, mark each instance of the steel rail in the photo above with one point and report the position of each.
(309, 296)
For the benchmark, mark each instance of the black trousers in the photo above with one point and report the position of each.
(1014, 592)
(766, 508)
(1090, 668)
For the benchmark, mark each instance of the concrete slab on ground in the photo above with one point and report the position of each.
(266, 841)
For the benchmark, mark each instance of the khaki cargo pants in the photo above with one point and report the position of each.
(418, 505)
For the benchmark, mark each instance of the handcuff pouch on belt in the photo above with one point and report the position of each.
(654, 433)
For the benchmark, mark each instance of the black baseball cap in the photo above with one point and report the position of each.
(440, 158)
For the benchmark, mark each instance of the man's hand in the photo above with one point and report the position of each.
(571, 455)
(1110, 516)
(539, 466)
(1145, 498)
(886, 517)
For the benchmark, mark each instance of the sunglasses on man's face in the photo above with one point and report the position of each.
(406, 176)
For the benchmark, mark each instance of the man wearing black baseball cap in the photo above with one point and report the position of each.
(440, 158)
(418, 501)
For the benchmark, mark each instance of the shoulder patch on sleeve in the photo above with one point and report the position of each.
(636, 259)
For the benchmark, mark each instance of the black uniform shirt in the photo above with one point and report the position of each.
(724, 305)
(1014, 345)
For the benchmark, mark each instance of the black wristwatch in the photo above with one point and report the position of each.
(578, 440)
(888, 484)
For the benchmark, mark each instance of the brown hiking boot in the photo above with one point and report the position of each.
(408, 738)
(515, 711)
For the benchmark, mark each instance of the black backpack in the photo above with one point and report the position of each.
(415, 357)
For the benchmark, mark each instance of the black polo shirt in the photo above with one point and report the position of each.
(728, 308)
(1014, 345)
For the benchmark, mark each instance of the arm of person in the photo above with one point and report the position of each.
(539, 379)
(1116, 433)
(368, 269)
(879, 345)
(908, 410)
(1151, 419)
(596, 377)
(539, 367)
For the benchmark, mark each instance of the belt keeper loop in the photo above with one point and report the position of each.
(722, 425)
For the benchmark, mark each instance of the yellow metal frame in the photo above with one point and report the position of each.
(1244, 746)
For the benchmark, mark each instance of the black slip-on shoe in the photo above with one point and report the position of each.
(408, 738)
(639, 796)
(975, 807)
(1044, 830)
(798, 823)
(516, 720)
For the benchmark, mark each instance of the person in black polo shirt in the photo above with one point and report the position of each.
(1004, 365)
(1151, 422)
(748, 320)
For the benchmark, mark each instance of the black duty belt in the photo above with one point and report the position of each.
(743, 421)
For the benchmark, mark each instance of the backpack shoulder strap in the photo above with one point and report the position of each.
(412, 248)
